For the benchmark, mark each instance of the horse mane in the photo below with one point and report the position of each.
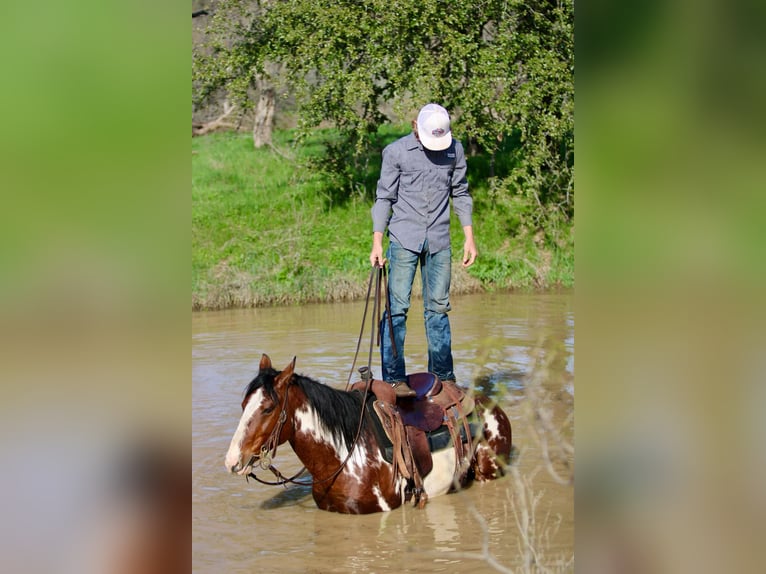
(338, 410)
(265, 379)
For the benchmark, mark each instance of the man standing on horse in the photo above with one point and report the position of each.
(419, 175)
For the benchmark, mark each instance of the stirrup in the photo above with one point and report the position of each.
(402, 389)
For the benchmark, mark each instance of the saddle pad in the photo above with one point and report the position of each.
(437, 440)
(441, 438)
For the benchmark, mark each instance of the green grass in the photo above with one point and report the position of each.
(268, 229)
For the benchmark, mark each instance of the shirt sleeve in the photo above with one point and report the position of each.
(462, 202)
(387, 191)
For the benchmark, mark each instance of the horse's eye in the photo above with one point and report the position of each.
(268, 410)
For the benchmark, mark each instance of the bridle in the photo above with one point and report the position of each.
(269, 449)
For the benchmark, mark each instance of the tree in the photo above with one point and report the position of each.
(504, 68)
(225, 31)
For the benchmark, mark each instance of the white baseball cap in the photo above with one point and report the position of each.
(433, 127)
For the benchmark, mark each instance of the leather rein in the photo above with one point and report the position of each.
(269, 450)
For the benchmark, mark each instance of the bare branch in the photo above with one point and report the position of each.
(216, 124)
(557, 452)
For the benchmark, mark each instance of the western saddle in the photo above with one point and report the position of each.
(410, 428)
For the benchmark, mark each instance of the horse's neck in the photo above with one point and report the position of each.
(309, 435)
(313, 442)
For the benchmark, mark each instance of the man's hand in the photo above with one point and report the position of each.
(469, 249)
(469, 253)
(376, 255)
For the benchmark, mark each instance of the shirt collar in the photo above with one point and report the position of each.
(413, 142)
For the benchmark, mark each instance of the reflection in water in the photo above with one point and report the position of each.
(241, 526)
(491, 384)
(442, 519)
(287, 497)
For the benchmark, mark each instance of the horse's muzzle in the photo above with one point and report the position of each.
(241, 469)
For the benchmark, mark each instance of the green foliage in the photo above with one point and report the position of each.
(504, 69)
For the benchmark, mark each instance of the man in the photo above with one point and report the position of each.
(419, 174)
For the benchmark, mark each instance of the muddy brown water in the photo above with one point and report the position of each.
(248, 527)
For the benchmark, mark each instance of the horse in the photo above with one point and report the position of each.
(339, 448)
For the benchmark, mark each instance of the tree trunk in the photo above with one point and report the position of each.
(264, 113)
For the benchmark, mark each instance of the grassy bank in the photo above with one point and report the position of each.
(267, 229)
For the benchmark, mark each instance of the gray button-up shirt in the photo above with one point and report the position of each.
(412, 198)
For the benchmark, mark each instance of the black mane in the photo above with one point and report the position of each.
(338, 410)
(265, 379)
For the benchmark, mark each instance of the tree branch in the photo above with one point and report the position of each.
(216, 124)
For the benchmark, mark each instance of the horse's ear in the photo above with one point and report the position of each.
(265, 362)
(286, 374)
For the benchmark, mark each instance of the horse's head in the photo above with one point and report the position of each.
(262, 410)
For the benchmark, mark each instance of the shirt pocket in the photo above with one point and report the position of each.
(443, 176)
(411, 181)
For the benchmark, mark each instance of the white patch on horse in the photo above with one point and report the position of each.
(488, 454)
(400, 485)
(491, 426)
(358, 463)
(379, 461)
(309, 423)
(439, 480)
(235, 448)
(382, 504)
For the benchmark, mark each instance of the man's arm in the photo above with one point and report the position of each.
(386, 194)
(462, 203)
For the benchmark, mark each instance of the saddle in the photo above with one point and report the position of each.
(413, 427)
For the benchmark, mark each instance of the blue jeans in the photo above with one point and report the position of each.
(435, 272)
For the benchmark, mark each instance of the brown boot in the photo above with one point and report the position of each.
(402, 389)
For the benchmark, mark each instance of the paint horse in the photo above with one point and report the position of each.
(343, 448)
